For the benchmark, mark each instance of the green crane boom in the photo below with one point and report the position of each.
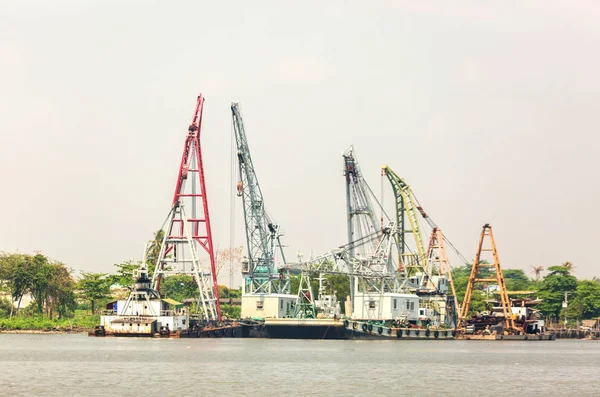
(406, 206)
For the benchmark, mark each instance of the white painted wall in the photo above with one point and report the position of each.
(393, 306)
(268, 306)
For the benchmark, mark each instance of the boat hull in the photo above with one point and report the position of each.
(508, 337)
(305, 329)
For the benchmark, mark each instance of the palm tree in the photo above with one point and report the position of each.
(154, 248)
(568, 265)
(537, 270)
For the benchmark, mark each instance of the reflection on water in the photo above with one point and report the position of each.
(77, 365)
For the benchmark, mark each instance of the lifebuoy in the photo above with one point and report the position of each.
(454, 333)
(355, 325)
(364, 327)
(346, 323)
(417, 332)
(380, 330)
(399, 334)
(370, 327)
(427, 333)
(436, 334)
(389, 331)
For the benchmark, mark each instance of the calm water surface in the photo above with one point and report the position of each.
(77, 365)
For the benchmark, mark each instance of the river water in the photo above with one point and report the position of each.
(78, 365)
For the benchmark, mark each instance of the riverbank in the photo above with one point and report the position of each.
(82, 322)
(43, 332)
(571, 333)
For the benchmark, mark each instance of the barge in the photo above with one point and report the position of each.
(305, 328)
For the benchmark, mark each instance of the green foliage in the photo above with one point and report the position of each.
(80, 322)
(460, 276)
(515, 279)
(41, 273)
(552, 288)
(61, 292)
(16, 274)
(333, 283)
(225, 292)
(5, 308)
(94, 287)
(339, 284)
(231, 311)
(154, 250)
(585, 302)
(178, 287)
(124, 275)
(49, 283)
(478, 303)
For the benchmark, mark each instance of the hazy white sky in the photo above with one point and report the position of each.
(488, 109)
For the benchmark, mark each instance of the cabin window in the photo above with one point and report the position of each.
(412, 306)
(281, 304)
(371, 304)
(407, 305)
(259, 305)
(183, 321)
(395, 304)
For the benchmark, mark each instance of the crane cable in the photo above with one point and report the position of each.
(232, 204)
(446, 239)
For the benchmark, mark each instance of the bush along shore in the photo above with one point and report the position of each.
(80, 323)
(40, 295)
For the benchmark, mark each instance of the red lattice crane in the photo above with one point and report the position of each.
(188, 225)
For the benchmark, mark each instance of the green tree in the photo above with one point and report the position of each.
(5, 307)
(231, 311)
(178, 287)
(585, 302)
(94, 287)
(517, 280)
(124, 275)
(16, 271)
(552, 289)
(41, 272)
(154, 249)
(61, 292)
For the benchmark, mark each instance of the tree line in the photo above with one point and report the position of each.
(57, 293)
(583, 295)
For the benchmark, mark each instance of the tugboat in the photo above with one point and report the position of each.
(145, 314)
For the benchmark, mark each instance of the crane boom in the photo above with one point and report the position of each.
(262, 234)
(362, 220)
(405, 205)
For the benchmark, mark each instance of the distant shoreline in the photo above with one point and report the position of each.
(41, 331)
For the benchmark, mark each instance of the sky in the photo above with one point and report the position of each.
(489, 110)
